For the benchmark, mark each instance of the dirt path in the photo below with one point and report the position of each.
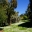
(1, 30)
(18, 23)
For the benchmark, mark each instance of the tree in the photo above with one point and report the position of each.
(3, 6)
(15, 18)
(30, 10)
(9, 13)
(21, 15)
(3, 3)
(14, 3)
(10, 9)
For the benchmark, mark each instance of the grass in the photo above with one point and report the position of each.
(15, 28)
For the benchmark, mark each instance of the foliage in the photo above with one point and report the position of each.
(14, 3)
(29, 10)
(23, 16)
(6, 10)
(10, 9)
(3, 16)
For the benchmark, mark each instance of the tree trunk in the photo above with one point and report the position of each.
(8, 20)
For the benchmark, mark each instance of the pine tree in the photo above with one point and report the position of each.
(30, 14)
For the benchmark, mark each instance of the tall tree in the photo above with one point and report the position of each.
(30, 14)
(14, 3)
(3, 3)
(28, 11)
(10, 9)
(2, 11)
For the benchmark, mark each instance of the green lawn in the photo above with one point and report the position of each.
(15, 28)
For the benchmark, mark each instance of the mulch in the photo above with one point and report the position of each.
(1, 30)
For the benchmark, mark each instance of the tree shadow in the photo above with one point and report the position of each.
(27, 24)
(3, 25)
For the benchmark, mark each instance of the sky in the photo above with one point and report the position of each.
(21, 6)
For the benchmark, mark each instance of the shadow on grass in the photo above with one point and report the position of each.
(27, 24)
(3, 25)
